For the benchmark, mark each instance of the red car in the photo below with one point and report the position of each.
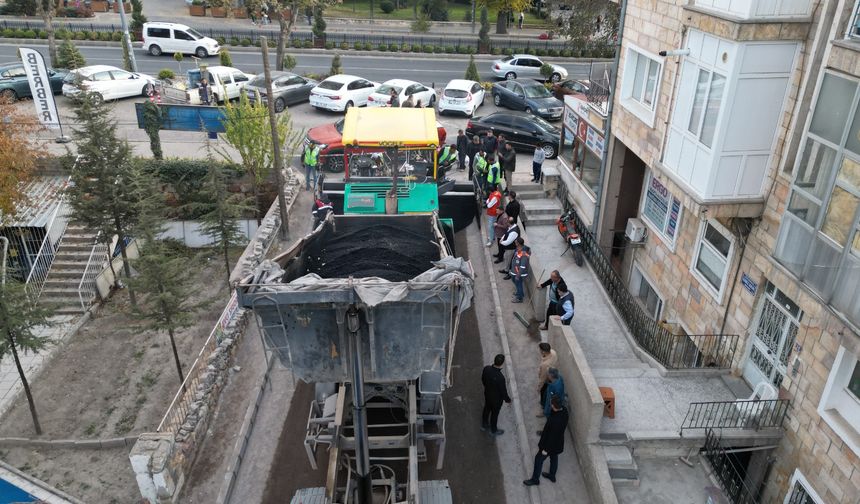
(331, 135)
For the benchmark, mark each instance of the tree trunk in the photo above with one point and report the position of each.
(257, 201)
(502, 23)
(225, 243)
(26, 385)
(286, 26)
(125, 264)
(173, 346)
(52, 42)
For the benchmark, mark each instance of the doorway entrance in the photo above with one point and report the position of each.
(775, 329)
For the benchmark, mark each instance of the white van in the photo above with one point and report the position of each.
(223, 81)
(160, 38)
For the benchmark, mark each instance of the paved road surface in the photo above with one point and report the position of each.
(377, 68)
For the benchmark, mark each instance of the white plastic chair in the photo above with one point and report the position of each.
(751, 411)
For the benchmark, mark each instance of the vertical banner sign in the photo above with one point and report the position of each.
(40, 87)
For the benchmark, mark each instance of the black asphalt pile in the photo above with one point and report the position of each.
(395, 253)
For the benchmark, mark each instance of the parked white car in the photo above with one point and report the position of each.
(161, 38)
(107, 83)
(524, 66)
(404, 89)
(462, 96)
(340, 92)
(223, 81)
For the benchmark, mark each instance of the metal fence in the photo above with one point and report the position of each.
(187, 393)
(252, 36)
(598, 93)
(756, 414)
(727, 471)
(41, 265)
(96, 263)
(672, 351)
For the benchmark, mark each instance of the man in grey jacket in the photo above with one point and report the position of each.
(537, 163)
(508, 160)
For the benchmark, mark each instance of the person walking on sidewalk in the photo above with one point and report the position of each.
(493, 205)
(519, 269)
(566, 304)
(548, 359)
(552, 308)
(462, 147)
(537, 163)
(555, 388)
(495, 393)
(522, 18)
(551, 443)
(311, 160)
(508, 242)
(508, 157)
(513, 207)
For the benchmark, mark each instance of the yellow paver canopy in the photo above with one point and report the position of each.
(390, 127)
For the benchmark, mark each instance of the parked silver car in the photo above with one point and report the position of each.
(524, 65)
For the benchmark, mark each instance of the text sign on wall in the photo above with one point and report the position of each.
(40, 87)
(749, 284)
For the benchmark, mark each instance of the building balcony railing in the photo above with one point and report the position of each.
(672, 351)
(755, 415)
(598, 94)
(727, 471)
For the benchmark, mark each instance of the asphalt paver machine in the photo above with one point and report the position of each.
(367, 308)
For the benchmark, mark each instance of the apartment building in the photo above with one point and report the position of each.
(738, 153)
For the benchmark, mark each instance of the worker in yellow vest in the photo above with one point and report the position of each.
(311, 161)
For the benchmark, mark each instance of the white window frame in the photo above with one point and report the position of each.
(670, 241)
(798, 477)
(853, 22)
(643, 277)
(646, 113)
(700, 242)
(837, 397)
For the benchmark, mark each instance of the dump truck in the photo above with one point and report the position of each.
(367, 307)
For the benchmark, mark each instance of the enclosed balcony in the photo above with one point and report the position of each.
(757, 10)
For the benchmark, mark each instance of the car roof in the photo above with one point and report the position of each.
(221, 68)
(525, 56)
(89, 70)
(166, 24)
(463, 84)
(399, 82)
(343, 78)
(524, 81)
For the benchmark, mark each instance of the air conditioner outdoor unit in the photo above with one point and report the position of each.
(635, 230)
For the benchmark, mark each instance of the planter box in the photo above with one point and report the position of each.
(126, 5)
(99, 5)
(197, 10)
(240, 13)
(218, 12)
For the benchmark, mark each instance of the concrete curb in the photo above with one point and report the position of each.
(74, 444)
(319, 52)
(534, 494)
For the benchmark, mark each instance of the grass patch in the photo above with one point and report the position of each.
(456, 12)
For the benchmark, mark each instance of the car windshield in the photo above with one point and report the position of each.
(537, 91)
(507, 58)
(386, 89)
(456, 93)
(194, 33)
(330, 85)
(258, 81)
(339, 126)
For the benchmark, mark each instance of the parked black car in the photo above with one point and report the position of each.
(288, 88)
(528, 95)
(14, 83)
(525, 132)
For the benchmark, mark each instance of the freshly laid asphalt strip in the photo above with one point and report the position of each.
(472, 465)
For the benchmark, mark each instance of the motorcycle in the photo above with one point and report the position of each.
(567, 230)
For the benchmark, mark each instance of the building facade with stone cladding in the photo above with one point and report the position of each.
(766, 187)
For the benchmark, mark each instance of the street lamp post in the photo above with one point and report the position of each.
(126, 36)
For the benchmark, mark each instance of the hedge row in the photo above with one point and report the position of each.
(20, 33)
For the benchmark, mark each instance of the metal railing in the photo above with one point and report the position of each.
(672, 351)
(54, 231)
(741, 414)
(598, 93)
(727, 471)
(179, 406)
(252, 35)
(96, 263)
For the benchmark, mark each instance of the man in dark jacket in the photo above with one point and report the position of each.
(551, 443)
(495, 393)
(552, 307)
(508, 159)
(513, 207)
(462, 147)
(474, 147)
(490, 143)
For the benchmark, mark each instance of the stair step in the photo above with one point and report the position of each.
(542, 220)
(59, 292)
(530, 195)
(527, 186)
(59, 274)
(71, 265)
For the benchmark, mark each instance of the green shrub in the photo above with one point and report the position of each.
(82, 35)
(449, 49)
(19, 33)
(358, 46)
(507, 51)
(462, 49)
(495, 50)
(94, 35)
(166, 73)
(438, 49)
(329, 45)
(471, 50)
(393, 47)
(540, 52)
(43, 34)
(296, 43)
(406, 48)
(290, 62)
(234, 41)
(221, 40)
(416, 48)
(61, 33)
(30, 34)
(116, 36)
(387, 6)
(422, 24)
(225, 58)
(382, 47)
(258, 43)
(308, 44)
(8, 33)
(245, 42)
(344, 46)
(552, 52)
(427, 48)
(467, 17)
(105, 36)
(566, 53)
(273, 43)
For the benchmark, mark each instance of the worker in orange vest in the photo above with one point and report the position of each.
(494, 208)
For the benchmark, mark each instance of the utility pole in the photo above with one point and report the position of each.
(473, 15)
(276, 141)
(126, 36)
